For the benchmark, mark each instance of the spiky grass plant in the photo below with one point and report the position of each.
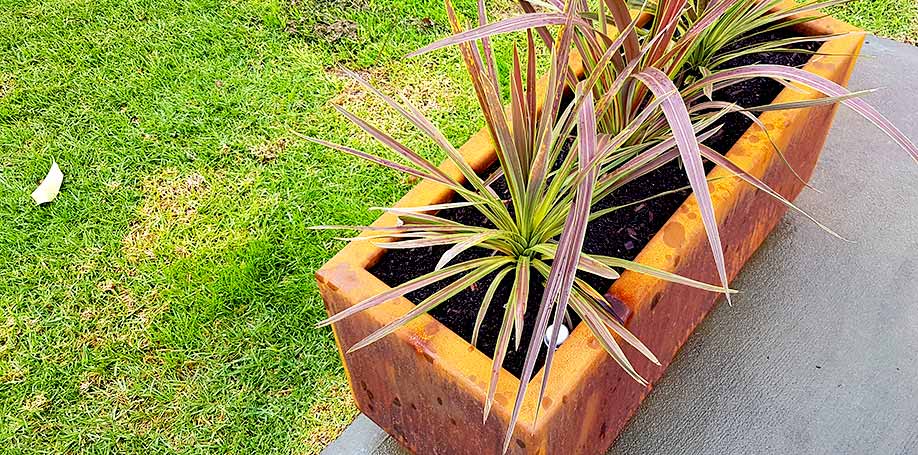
(630, 118)
(551, 157)
(647, 110)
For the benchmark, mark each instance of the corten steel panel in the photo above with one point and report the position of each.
(426, 386)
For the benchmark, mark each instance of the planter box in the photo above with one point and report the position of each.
(426, 386)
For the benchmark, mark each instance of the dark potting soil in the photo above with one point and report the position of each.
(622, 233)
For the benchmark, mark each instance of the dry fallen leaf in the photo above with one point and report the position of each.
(50, 186)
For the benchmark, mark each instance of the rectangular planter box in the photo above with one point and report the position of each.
(426, 386)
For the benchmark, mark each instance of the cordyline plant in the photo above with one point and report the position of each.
(539, 232)
(644, 100)
(653, 94)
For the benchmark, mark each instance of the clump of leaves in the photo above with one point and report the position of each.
(628, 117)
(650, 107)
(539, 232)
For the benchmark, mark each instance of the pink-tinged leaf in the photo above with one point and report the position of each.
(819, 84)
(458, 248)
(491, 105)
(486, 44)
(552, 5)
(585, 263)
(623, 76)
(394, 145)
(806, 103)
(380, 161)
(587, 291)
(427, 304)
(611, 145)
(661, 274)
(552, 101)
(564, 267)
(401, 228)
(681, 125)
(621, 15)
(521, 297)
(687, 41)
(519, 112)
(603, 212)
(413, 285)
(430, 208)
(731, 107)
(611, 322)
(647, 161)
(421, 217)
(602, 310)
(711, 15)
(664, 26)
(531, 78)
(410, 112)
(605, 339)
(513, 24)
(599, 68)
(401, 235)
(590, 265)
(486, 302)
(500, 351)
(439, 239)
(570, 245)
(498, 173)
(725, 163)
(529, 8)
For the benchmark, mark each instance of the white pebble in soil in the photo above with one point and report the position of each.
(563, 333)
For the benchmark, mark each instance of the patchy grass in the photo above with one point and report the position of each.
(896, 19)
(165, 301)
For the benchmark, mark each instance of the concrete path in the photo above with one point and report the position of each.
(820, 352)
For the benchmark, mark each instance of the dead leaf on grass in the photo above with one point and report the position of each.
(50, 186)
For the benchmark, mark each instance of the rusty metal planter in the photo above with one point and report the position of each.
(426, 386)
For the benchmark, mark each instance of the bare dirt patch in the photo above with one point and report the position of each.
(425, 85)
(268, 151)
(170, 198)
(7, 83)
(332, 413)
(336, 31)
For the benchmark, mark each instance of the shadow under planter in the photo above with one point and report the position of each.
(426, 386)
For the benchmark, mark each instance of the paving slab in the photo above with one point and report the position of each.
(819, 354)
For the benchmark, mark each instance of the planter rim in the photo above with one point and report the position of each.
(347, 272)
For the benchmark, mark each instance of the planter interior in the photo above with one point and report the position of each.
(426, 386)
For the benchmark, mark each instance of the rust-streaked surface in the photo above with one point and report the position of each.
(426, 386)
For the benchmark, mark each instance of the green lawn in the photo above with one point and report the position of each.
(896, 19)
(165, 301)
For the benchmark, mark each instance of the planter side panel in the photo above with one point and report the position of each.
(402, 382)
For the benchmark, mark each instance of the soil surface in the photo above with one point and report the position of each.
(622, 233)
